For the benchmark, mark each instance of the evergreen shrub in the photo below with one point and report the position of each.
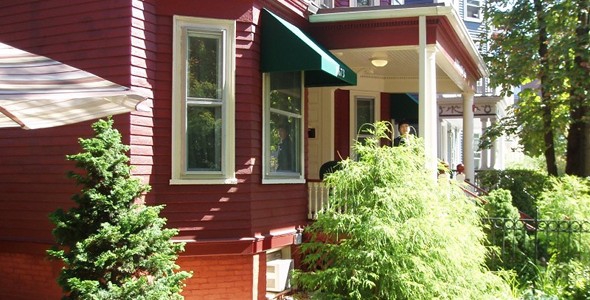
(513, 248)
(112, 245)
(525, 186)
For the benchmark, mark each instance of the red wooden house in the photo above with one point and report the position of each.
(227, 80)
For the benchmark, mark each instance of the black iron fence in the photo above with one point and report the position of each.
(527, 245)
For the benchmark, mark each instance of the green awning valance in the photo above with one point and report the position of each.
(285, 48)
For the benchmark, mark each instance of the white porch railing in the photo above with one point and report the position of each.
(317, 195)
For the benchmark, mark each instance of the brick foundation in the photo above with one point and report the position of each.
(225, 277)
(27, 276)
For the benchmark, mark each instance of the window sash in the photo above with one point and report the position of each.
(204, 146)
(278, 114)
(473, 10)
(203, 88)
(204, 103)
(365, 115)
(371, 104)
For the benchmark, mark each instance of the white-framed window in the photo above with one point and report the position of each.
(398, 2)
(203, 101)
(477, 159)
(365, 109)
(363, 3)
(473, 10)
(324, 3)
(283, 127)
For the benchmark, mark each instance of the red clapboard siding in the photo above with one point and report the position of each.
(33, 181)
(341, 3)
(341, 124)
(131, 42)
(92, 35)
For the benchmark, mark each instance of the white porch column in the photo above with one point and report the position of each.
(495, 148)
(427, 108)
(484, 152)
(443, 134)
(468, 135)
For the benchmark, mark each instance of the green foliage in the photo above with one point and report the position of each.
(559, 263)
(568, 198)
(525, 186)
(508, 234)
(113, 247)
(500, 205)
(536, 46)
(569, 281)
(393, 232)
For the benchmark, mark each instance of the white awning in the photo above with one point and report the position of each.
(38, 92)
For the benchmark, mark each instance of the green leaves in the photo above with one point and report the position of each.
(536, 47)
(393, 232)
(113, 248)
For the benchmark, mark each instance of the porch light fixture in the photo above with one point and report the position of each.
(379, 62)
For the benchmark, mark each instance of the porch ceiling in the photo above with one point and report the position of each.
(401, 74)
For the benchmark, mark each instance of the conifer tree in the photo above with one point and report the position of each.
(112, 245)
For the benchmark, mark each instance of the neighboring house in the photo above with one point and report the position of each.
(246, 105)
(488, 107)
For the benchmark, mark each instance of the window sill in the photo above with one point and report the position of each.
(194, 181)
(283, 180)
(473, 20)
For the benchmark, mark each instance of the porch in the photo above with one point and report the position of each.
(400, 76)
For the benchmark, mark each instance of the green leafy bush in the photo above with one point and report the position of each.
(567, 197)
(393, 232)
(564, 240)
(525, 186)
(514, 249)
(568, 201)
(111, 246)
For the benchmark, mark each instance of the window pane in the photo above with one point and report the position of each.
(473, 12)
(203, 138)
(285, 129)
(364, 2)
(364, 115)
(285, 91)
(204, 63)
(285, 143)
(473, 9)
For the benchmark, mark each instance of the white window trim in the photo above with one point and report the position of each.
(465, 12)
(376, 113)
(276, 177)
(322, 3)
(353, 3)
(227, 174)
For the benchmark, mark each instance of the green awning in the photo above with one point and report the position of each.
(285, 48)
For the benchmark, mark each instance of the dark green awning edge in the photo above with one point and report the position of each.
(285, 48)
